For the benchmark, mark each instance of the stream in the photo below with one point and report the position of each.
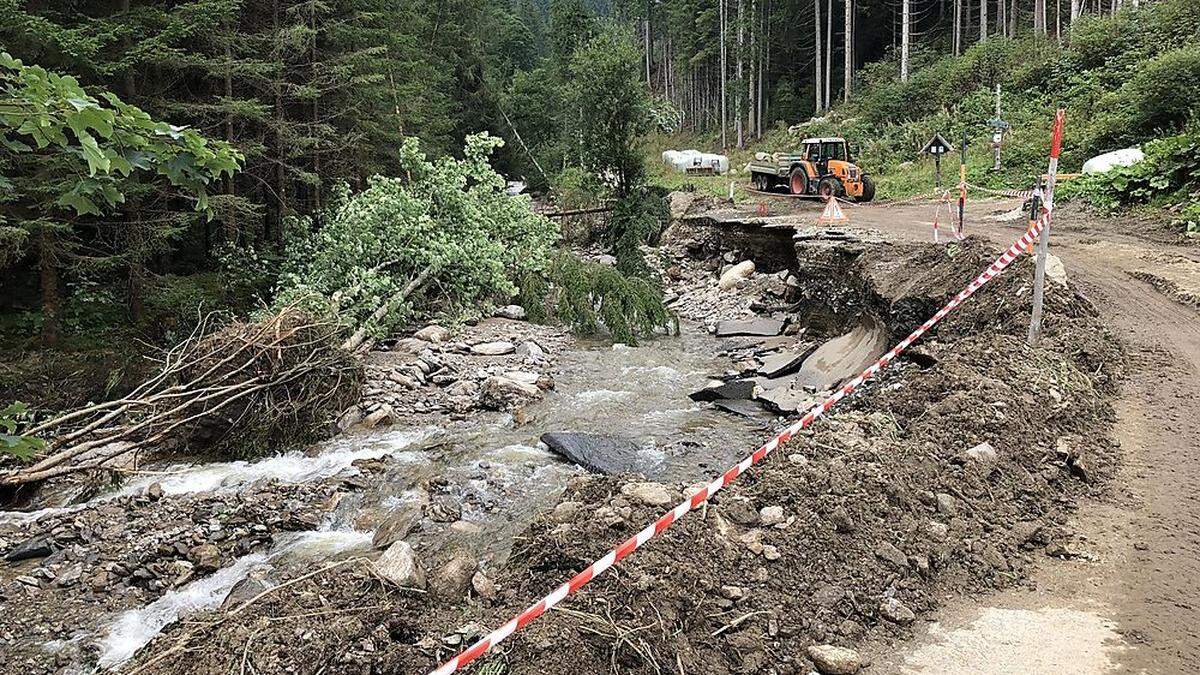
(493, 465)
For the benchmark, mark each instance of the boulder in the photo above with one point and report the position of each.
(496, 348)
(410, 346)
(895, 611)
(757, 327)
(383, 415)
(832, 660)
(983, 453)
(33, 547)
(449, 583)
(483, 586)
(399, 565)
(502, 393)
(530, 350)
(433, 333)
(731, 276)
(595, 452)
(514, 312)
(467, 388)
(771, 515)
(649, 494)
(206, 558)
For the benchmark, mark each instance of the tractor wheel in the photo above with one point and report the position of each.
(868, 190)
(798, 181)
(831, 187)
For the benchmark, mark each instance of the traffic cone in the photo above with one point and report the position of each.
(833, 214)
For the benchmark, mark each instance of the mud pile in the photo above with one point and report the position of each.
(952, 472)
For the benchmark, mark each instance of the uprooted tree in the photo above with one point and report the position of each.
(444, 237)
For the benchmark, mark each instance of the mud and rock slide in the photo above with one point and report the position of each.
(957, 472)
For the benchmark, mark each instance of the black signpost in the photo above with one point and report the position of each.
(937, 146)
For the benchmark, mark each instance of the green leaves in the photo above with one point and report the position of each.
(451, 216)
(21, 447)
(107, 139)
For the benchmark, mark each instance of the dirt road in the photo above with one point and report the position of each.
(1131, 601)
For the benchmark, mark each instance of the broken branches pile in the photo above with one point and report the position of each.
(240, 389)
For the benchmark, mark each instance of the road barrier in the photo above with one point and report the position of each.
(631, 544)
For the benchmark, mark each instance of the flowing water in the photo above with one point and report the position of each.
(493, 466)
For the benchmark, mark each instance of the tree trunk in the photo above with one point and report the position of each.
(818, 106)
(958, 16)
(828, 54)
(904, 38)
(848, 63)
(51, 300)
(724, 73)
(983, 20)
(737, 101)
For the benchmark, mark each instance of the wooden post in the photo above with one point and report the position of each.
(962, 185)
(1039, 278)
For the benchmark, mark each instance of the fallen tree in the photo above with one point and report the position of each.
(240, 389)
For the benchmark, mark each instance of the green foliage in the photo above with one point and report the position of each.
(11, 443)
(637, 219)
(449, 216)
(100, 141)
(611, 106)
(1169, 175)
(589, 297)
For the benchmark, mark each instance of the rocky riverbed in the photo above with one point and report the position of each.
(437, 513)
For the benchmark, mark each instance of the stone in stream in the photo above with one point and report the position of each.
(34, 547)
(496, 348)
(595, 452)
(499, 393)
(399, 565)
(833, 660)
(756, 327)
(732, 390)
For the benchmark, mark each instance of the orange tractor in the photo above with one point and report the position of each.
(822, 167)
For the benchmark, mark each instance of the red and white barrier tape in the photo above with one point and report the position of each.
(704, 494)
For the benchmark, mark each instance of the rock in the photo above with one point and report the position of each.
(530, 350)
(514, 312)
(565, 512)
(732, 390)
(771, 552)
(496, 348)
(596, 453)
(206, 558)
(937, 531)
(464, 388)
(383, 415)
(33, 547)
(607, 260)
(890, 553)
(501, 393)
(983, 453)
(410, 346)
(522, 376)
(771, 515)
(154, 492)
(443, 509)
(895, 611)
(396, 526)
(732, 592)
(649, 494)
(433, 333)
(483, 586)
(842, 522)
(679, 203)
(399, 565)
(832, 660)
(1056, 272)
(757, 327)
(947, 505)
(449, 583)
(244, 590)
(731, 276)
(352, 416)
